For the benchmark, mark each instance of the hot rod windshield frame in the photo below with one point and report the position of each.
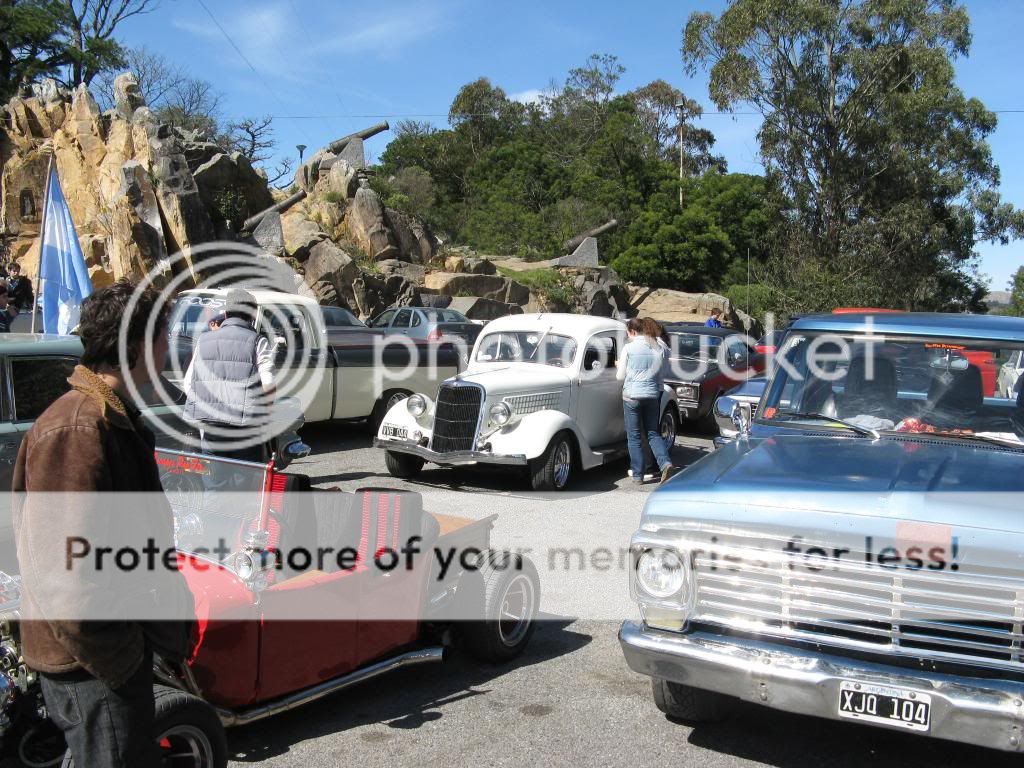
(542, 347)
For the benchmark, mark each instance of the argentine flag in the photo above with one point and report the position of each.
(61, 264)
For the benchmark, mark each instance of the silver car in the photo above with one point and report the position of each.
(429, 324)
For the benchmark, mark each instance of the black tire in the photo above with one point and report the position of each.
(670, 413)
(505, 584)
(553, 469)
(692, 705)
(402, 465)
(384, 404)
(186, 723)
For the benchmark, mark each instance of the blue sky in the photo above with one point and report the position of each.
(324, 68)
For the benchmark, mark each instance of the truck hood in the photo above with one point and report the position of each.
(518, 378)
(788, 482)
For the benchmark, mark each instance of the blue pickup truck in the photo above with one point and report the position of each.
(856, 552)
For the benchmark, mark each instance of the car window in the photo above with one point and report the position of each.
(336, 317)
(382, 320)
(445, 316)
(694, 345)
(191, 314)
(38, 381)
(737, 347)
(402, 319)
(600, 350)
(540, 347)
(289, 322)
(415, 319)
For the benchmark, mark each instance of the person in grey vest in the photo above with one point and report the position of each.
(230, 383)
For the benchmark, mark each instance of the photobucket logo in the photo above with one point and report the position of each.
(235, 398)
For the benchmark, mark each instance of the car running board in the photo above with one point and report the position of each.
(608, 453)
(234, 718)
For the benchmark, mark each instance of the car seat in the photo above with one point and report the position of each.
(954, 398)
(381, 519)
(868, 395)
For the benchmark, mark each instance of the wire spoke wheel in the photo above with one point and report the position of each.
(563, 464)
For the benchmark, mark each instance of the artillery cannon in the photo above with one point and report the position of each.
(572, 244)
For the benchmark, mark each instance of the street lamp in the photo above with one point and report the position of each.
(679, 111)
(301, 148)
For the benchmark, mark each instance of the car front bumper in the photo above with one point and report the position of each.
(452, 458)
(982, 711)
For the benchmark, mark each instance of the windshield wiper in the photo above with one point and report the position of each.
(1003, 442)
(540, 343)
(822, 417)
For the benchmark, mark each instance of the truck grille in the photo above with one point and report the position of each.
(456, 417)
(947, 616)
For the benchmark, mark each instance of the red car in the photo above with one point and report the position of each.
(274, 637)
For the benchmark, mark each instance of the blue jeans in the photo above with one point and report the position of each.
(643, 416)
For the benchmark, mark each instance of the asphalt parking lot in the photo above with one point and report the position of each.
(570, 699)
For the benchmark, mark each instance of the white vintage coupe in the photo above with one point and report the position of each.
(540, 393)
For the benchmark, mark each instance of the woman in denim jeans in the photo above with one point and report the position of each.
(641, 369)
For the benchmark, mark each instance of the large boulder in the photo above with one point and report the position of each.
(269, 234)
(366, 224)
(187, 221)
(414, 273)
(415, 242)
(137, 243)
(478, 308)
(300, 234)
(489, 286)
(232, 177)
(329, 263)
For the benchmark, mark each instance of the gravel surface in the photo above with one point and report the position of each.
(570, 699)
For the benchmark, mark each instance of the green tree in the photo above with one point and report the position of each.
(1017, 293)
(882, 157)
(32, 42)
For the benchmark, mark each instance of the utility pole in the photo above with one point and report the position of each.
(679, 111)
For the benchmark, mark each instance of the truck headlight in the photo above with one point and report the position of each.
(500, 414)
(660, 573)
(416, 405)
(688, 392)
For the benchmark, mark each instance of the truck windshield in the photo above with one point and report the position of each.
(527, 347)
(694, 345)
(929, 386)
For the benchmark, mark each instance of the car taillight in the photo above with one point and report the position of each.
(434, 335)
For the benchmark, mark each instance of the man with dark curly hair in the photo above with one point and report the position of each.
(97, 675)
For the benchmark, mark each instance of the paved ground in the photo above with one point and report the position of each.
(570, 698)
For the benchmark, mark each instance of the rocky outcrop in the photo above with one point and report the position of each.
(415, 242)
(478, 308)
(487, 286)
(300, 235)
(366, 225)
(669, 306)
(329, 263)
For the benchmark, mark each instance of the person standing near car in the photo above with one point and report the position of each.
(641, 369)
(96, 672)
(714, 319)
(19, 289)
(7, 310)
(230, 383)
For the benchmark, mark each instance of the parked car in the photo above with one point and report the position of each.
(334, 375)
(705, 364)
(856, 556)
(274, 638)
(429, 324)
(540, 394)
(1009, 375)
(769, 343)
(341, 326)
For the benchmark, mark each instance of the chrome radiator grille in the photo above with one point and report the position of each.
(542, 401)
(975, 619)
(456, 417)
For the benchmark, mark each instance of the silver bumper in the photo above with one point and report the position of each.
(982, 711)
(452, 458)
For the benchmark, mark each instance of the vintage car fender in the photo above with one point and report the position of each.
(399, 416)
(531, 434)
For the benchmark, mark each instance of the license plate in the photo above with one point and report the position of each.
(391, 431)
(880, 704)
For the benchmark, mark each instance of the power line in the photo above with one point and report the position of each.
(238, 50)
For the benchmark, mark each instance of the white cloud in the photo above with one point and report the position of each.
(529, 96)
(204, 29)
(385, 35)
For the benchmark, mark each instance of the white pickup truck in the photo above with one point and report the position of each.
(355, 377)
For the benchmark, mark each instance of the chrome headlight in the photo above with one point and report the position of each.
(688, 392)
(245, 565)
(416, 405)
(660, 573)
(500, 414)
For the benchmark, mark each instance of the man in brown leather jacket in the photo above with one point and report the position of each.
(96, 673)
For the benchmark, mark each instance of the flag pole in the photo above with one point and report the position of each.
(42, 239)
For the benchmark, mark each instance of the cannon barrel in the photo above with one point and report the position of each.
(250, 224)
(574, 243)
(366, 133)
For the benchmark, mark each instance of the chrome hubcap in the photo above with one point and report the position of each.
(563, 464)
(668, 429)
(185, 746)
(516, 610)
